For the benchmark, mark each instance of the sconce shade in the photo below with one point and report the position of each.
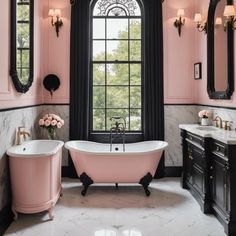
(229, 11)
(197, 18)
(218, 21)
(51, 12)
(58, 12)
(180, 12)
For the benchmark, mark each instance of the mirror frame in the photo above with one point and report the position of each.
(19, 86)
(210, 56)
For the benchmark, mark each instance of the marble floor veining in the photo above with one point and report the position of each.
(106, 211)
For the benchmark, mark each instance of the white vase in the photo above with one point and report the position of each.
(204, 121)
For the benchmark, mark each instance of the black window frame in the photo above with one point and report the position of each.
(104, 136)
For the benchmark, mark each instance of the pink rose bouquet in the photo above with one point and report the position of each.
(205, 114)
(51, 122)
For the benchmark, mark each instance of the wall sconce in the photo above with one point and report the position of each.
(230, 20)
(56, 20)
(201, 25)
(180, 21)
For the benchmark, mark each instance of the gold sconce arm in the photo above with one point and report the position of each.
(200, 24)
(230, 20)
(202, 27)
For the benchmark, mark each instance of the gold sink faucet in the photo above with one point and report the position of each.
(21, 135)
(218, 121)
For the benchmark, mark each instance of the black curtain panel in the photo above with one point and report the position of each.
(153, 113)
(79, 70)
(79, 74)
(153, 75)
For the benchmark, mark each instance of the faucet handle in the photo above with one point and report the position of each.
(225, 124)
(229, 124)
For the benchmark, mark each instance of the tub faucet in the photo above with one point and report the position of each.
(119, 129)
(21, 135)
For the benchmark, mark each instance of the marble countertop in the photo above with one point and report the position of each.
(224, 136)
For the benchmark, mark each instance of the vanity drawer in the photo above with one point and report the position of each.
(197, 155)
(195, 140)
(219, 149)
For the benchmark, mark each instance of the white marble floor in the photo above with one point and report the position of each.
(106, 211)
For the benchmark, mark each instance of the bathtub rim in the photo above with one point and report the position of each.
(66, 145)
(12, 151)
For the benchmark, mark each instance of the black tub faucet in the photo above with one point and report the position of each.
(117, 129)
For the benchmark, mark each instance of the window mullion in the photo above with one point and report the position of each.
(129, 65)
(105, 74)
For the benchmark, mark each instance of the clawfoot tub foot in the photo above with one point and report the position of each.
(50, 213)
(147, 191)
(15, 217)
(145, 181)
(84, 191)
(86, 181)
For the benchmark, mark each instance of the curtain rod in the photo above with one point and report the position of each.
(72, 2)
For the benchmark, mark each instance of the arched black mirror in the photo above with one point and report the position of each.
(22, 38)
(220, 52)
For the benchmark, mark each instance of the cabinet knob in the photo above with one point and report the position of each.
(190, 137)
(225, 186)
(211, 177)
(211, 168)
(217, 149)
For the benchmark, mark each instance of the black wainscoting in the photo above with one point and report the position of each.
(175, 171)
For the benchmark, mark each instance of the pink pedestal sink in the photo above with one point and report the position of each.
(35, 170)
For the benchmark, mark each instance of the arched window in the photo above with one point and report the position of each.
(116, 64)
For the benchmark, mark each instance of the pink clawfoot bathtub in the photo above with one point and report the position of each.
(94, 163)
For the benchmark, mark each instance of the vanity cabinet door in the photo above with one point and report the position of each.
(220, 185)
(197, 171)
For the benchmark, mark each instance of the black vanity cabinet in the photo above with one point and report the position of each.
(223, 179)
(195, 170)
(209, 172)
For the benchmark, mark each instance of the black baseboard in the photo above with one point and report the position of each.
(67, 171)
(6, 218)
(175, 171)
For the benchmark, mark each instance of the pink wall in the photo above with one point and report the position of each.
(52, 56)
(178, 53)
(8, 96)
(57, 51)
